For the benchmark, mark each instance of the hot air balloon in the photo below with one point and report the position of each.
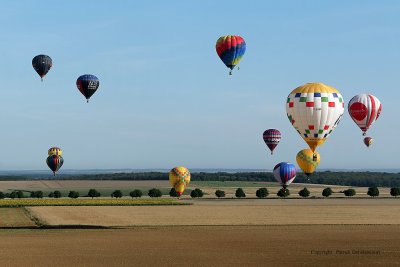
(54, 162)
(364, 109)
(179, 178)
(368, 141)
(230, 49)
(87, 85)
(285, 173)
(271, 138)
(314, 110)
(42, 64)
(55, 151)
(305, 161)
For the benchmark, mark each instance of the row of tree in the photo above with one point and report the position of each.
(197, 193)
(284, 192)
(75, 194)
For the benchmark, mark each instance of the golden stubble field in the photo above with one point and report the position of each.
(229, 212)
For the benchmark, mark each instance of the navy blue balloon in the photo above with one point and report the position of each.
(87, 85)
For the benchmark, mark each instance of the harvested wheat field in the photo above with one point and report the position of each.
(318, 245)
(230, 212)
(15, 218)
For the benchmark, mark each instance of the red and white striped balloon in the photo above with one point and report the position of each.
(364, 109)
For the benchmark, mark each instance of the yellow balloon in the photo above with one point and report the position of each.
(308, 160)
(55, 151)
(179, 178)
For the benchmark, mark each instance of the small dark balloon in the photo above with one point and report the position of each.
(42, 64)
(87, 84)
(368, 141)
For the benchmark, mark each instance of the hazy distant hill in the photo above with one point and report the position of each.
(69, 172)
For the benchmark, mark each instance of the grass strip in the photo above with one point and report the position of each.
(10, 203)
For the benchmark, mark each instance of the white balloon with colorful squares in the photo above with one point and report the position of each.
(314, 110)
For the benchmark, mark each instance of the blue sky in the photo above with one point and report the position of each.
(166, 99)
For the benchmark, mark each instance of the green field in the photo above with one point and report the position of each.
(25, 202)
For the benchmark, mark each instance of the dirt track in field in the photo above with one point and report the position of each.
(318, 245)
(230, 212)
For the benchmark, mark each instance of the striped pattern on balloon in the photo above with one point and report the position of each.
(54, 162)
(271, 138)
(284, 173)
(364, 109)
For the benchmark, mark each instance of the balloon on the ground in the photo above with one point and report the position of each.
(305, 160)
(230, 49)
(368, 141)
(364, 109)
(87, 85)
(54, 162)
(179, 178)
(285, 173)
(55, 151)
(42, 64)
(271, 138)
(314, 110)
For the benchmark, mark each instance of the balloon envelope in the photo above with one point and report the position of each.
(87, 84)
(368, 141)
(364, 109)
(308, 161)
(42, 64)
(314, 110)
(230, 49)
(54, 162)
(285, 173)
(54, 151)
(179, 178)
(271, 138)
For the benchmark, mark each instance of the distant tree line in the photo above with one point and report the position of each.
(363, 179)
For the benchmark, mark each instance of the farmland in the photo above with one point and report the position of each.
(224, 232)
(299, 245)
(15, 218)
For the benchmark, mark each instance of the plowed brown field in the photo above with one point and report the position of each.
(317, 245)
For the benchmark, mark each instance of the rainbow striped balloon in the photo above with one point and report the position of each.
(54, 162)
(230, 49)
